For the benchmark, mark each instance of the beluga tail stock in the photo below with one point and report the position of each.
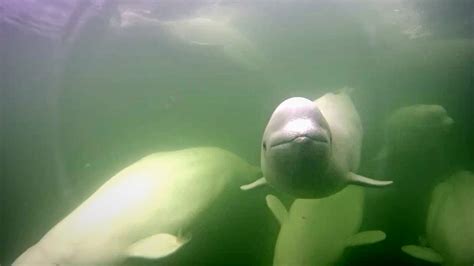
(311, 149)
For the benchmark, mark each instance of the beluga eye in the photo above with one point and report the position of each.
(264, 145)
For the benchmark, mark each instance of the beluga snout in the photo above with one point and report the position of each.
(311, 149)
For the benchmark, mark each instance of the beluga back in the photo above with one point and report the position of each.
(311, 149)
(148, 210)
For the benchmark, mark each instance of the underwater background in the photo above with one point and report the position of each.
(86, 93)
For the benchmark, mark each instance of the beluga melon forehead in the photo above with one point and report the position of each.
(294, 102)
(295, 107)
(294, 114)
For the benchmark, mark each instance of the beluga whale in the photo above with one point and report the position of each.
(311, 149)
(148, 210)
(449, 231)
(207, 31)
(317, 231)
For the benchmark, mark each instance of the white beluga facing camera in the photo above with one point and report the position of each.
(312, 149)
(295, 146)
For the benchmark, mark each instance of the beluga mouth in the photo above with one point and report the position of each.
(303, 139)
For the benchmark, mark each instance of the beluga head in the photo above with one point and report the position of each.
(296, 146)
(311, 149)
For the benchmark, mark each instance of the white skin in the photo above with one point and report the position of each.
(449, 223)
(312, 149)
(313, 233)
(296, 148)
(147, 210)
(215, 33)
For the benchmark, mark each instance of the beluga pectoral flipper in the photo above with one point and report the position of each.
(157, 246)
(312, 149)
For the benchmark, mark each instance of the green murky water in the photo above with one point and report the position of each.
(75, 112)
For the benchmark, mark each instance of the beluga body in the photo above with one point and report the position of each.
(317, 231)
(148, 210)
(449, 230)
(311, 149)
(207, 31)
